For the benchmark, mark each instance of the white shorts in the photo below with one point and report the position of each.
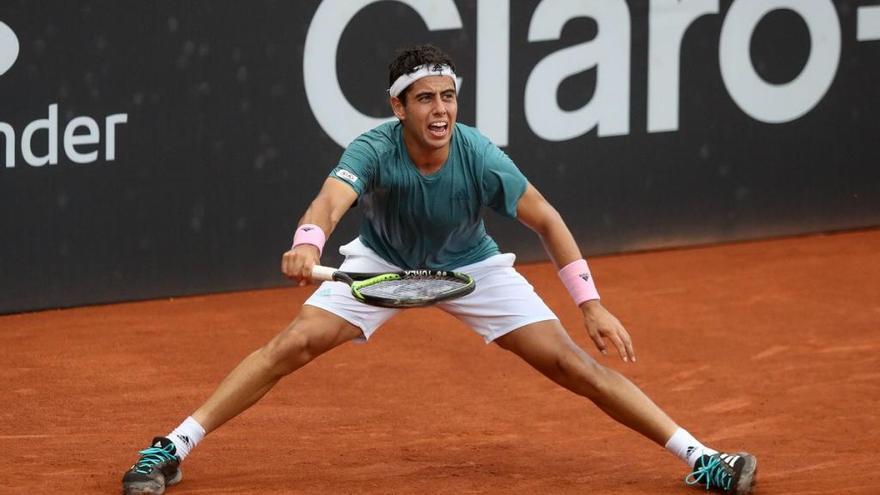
(502, 301)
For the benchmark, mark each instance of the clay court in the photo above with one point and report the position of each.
(772, 346)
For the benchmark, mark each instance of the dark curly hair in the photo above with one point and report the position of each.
(408, 59)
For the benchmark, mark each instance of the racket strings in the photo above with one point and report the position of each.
(412, 288)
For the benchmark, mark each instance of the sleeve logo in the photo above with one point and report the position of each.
(345, 174)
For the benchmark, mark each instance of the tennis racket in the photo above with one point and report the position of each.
(404, 289)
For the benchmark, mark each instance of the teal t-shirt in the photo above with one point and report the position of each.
(429, 221)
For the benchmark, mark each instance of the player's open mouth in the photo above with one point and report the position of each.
(438, 129)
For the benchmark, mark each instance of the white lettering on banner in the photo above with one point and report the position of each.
(8, 48)
(493, 69)
(668, 21)
(51, 126)
(339, 119)
(608, 54)
(8, 134)
(72, 137)
(110, 123)
(868, 20)
(779, 103)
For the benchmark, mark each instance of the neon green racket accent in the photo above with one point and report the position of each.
(363, 284)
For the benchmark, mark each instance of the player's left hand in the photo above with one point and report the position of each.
(602, 325)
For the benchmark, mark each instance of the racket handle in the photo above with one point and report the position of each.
(322, 272)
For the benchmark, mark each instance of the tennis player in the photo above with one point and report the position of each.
(423, 180)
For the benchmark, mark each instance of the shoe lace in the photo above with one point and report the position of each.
(152, 456)
(713, 474)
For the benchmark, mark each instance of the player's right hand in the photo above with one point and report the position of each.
(297, 263)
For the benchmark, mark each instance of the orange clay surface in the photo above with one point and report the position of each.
(769, 346)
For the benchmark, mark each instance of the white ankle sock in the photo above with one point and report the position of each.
(186, 436)
(686, 447)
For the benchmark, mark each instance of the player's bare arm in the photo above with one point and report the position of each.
(332, 202)
(534, 211)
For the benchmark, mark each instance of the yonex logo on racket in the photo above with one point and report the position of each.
(9, 48)
(421, 273)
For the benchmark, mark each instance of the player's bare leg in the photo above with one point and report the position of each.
(311, 334)
(547, 347)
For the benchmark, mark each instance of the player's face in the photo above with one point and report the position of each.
(430, 111)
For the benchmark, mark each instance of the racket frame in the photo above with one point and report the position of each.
(358, 281)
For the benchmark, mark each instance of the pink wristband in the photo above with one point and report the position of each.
(577, 279)
(308, 233)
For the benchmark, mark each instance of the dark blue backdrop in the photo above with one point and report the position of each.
(216, 149)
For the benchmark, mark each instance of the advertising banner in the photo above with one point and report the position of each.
(153, 149)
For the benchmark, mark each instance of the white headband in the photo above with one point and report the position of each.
(419, 72)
